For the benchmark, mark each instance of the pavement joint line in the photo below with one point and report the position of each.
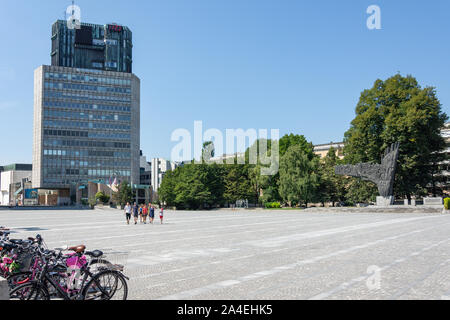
(352, 282)
(168, 214)
(417, 281)
(89, 224)
(277, 241)
(214, 286)
(296, 236)
(282, 284)
(163, 260)
(239, 258)
(162, 232)
(196, 266)
(240, 243)
(213, 236)
(212, 260)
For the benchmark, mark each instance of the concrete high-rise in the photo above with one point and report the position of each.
(86, 119)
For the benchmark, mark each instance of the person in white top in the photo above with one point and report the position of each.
(161, 214)
(128, 212)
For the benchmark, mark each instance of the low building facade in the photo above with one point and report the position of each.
(322, 149)
(15, 185)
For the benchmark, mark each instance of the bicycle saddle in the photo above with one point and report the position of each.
(95, 254)
(78, 249)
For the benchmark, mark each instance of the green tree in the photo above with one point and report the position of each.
(399, 109)
(191, 190)
(261, 183)
(193, 186)
(124, 194)
(266, 188)
(166, 191)
(237, 184)
(290, 140)
(299, 177)
(331, 187)
(360, 191)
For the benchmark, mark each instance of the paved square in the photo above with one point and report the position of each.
(262, 254)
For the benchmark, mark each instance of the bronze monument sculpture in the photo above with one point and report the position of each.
(383, 175)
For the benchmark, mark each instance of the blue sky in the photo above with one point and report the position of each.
(298, 66)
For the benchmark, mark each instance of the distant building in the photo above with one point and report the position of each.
(159, 167)
(15, 179)
(445, 165)
(225, 157)
(145, 171)
(322, 149)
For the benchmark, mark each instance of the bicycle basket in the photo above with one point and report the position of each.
(113, 260)
(25, 261)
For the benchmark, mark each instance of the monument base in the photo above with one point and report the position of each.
(433, 201)
(385, 201)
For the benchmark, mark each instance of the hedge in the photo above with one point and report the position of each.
(272, 205)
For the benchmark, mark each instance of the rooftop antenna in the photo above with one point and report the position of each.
(73, 11)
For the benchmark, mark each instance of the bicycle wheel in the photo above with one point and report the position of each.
(107, 285)
(29, 291)
(18, 279)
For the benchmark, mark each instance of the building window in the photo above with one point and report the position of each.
(98, 65)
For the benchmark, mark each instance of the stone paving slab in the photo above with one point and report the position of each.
(259, 254)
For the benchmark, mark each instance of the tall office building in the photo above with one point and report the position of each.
(86, 116)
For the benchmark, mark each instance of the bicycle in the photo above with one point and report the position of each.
(78, 284)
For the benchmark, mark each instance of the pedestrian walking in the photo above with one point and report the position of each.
(145, 213)
(128, 212)
(161, 214)
(135, 213)
(152, 214)
(141, 217)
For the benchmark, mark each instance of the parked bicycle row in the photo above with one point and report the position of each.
(34, 272)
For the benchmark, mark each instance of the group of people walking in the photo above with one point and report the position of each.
(142, 212)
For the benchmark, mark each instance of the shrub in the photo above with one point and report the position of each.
(92, 202)
(102, 197)
(272, 205)
(447, 203)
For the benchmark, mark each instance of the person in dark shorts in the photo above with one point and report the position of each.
(141, 213)
(128, 212)
(136, 213)
(152, 214)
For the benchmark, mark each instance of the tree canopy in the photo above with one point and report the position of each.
(399, 109)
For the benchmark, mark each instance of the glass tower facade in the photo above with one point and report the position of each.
(93, 46)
